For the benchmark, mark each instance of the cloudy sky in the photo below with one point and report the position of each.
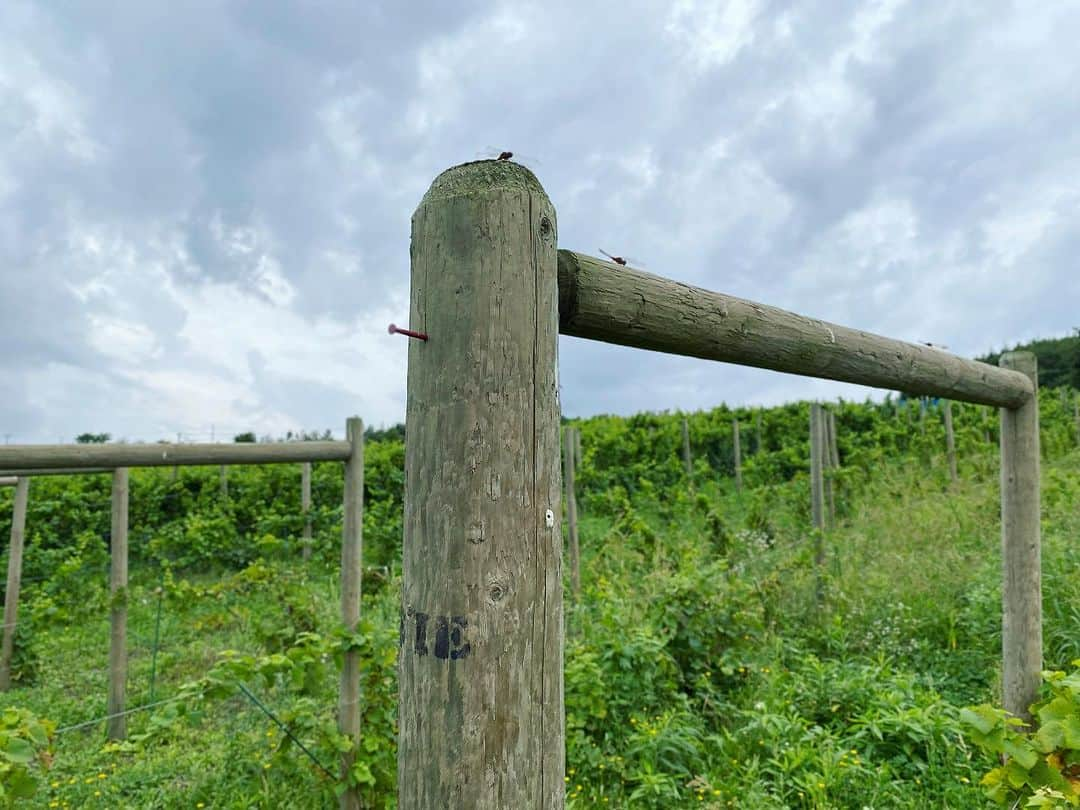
(204, 206)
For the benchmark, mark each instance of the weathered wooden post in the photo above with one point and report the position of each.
(1021, 636)
(817, 493)
(116, 727)
(950, 443)
(571, 511)
(688, 461)
(224, 482)
(305, 508)
(481, 661)
(14, 579)
(1076, 415)
(352, 545)
(737, 453)
(828, 466)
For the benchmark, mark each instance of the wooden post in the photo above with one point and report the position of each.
(817, 492)
(305, 508)
(1021, 635)
(224, 482)
(116, 727)
(828, 467)
(14, 579)
(352, 543)
(688, 462)
(1076, 415)
(481, 661)
(737, 452)
(571, 511)
(950, 443)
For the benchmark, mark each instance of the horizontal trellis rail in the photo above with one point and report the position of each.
(55, 471)
(29, 457)
(603, 301)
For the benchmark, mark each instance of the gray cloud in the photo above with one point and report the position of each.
(204, 207)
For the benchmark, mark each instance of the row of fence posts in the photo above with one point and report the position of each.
(351, 561)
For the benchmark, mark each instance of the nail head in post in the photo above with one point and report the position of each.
(397, 330)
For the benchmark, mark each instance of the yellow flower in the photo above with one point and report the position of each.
(266, 765)
(97, 792)
(101, 776)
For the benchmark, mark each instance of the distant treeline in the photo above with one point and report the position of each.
(1059, 360)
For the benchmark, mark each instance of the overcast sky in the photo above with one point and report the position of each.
(204, 206)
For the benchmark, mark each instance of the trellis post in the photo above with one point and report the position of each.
(352, 542)
(481, 659)
(737, 453)
(569, 463)
(116, 726)
(1021, 636)
(688, 460)
(950, 443)
(14, 579)
(305, 508)
(817, 494)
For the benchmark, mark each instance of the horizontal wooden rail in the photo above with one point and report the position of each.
(92, 456)
(57, 471)
(8, 480)
(603, 301)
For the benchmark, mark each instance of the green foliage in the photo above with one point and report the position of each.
(25, 749)
(700, 671)
(1041, 766)
(92, 438)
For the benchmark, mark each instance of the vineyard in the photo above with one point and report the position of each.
(701, 668)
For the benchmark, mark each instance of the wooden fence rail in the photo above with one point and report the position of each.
(603, 301)
(71, 457)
